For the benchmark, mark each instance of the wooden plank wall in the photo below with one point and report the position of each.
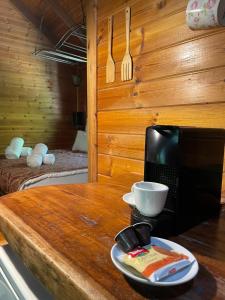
(37, 96)
(178, 79)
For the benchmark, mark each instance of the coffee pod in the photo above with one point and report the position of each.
(143, 232)
(127, 239)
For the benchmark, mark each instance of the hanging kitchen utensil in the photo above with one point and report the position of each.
(127, 65)
(110, 65)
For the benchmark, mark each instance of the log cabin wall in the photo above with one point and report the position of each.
(37, 96)
(178, 79)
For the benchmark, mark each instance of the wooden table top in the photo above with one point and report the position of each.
(65, 233)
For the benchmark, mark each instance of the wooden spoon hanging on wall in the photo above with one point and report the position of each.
(110, 65)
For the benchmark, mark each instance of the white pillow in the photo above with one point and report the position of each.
(80, 143)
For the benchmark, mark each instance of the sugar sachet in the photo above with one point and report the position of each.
(154, 262)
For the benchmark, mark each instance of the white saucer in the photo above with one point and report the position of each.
(129, 198)
(180, 277)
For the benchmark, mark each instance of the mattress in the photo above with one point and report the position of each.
(15, 175)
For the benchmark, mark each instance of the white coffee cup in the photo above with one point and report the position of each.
(149, 197)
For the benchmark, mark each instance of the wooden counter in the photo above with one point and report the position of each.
(65, 234)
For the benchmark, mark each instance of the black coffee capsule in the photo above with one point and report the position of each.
(127, 239)
(143, 232)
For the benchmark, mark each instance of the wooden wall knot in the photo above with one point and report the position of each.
(160, 4)
(137, 81)
(99, 39)
(142, 39)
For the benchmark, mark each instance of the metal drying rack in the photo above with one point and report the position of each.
(66, 50)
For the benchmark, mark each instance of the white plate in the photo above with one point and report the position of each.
(129, 198)
(180, 277)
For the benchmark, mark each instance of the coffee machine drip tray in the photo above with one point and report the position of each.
(163, 225)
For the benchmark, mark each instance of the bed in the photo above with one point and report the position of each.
(69, 167)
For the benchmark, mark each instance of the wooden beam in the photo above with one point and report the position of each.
(91, 13)
(61, 12)
(36, 21)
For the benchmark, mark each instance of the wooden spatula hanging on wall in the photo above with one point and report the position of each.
(127, 65)
(110, 65)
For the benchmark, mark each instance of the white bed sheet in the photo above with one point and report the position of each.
(81, 176)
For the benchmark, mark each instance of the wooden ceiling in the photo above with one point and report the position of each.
(52, 17)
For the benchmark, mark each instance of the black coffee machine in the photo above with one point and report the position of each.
(189, 161)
